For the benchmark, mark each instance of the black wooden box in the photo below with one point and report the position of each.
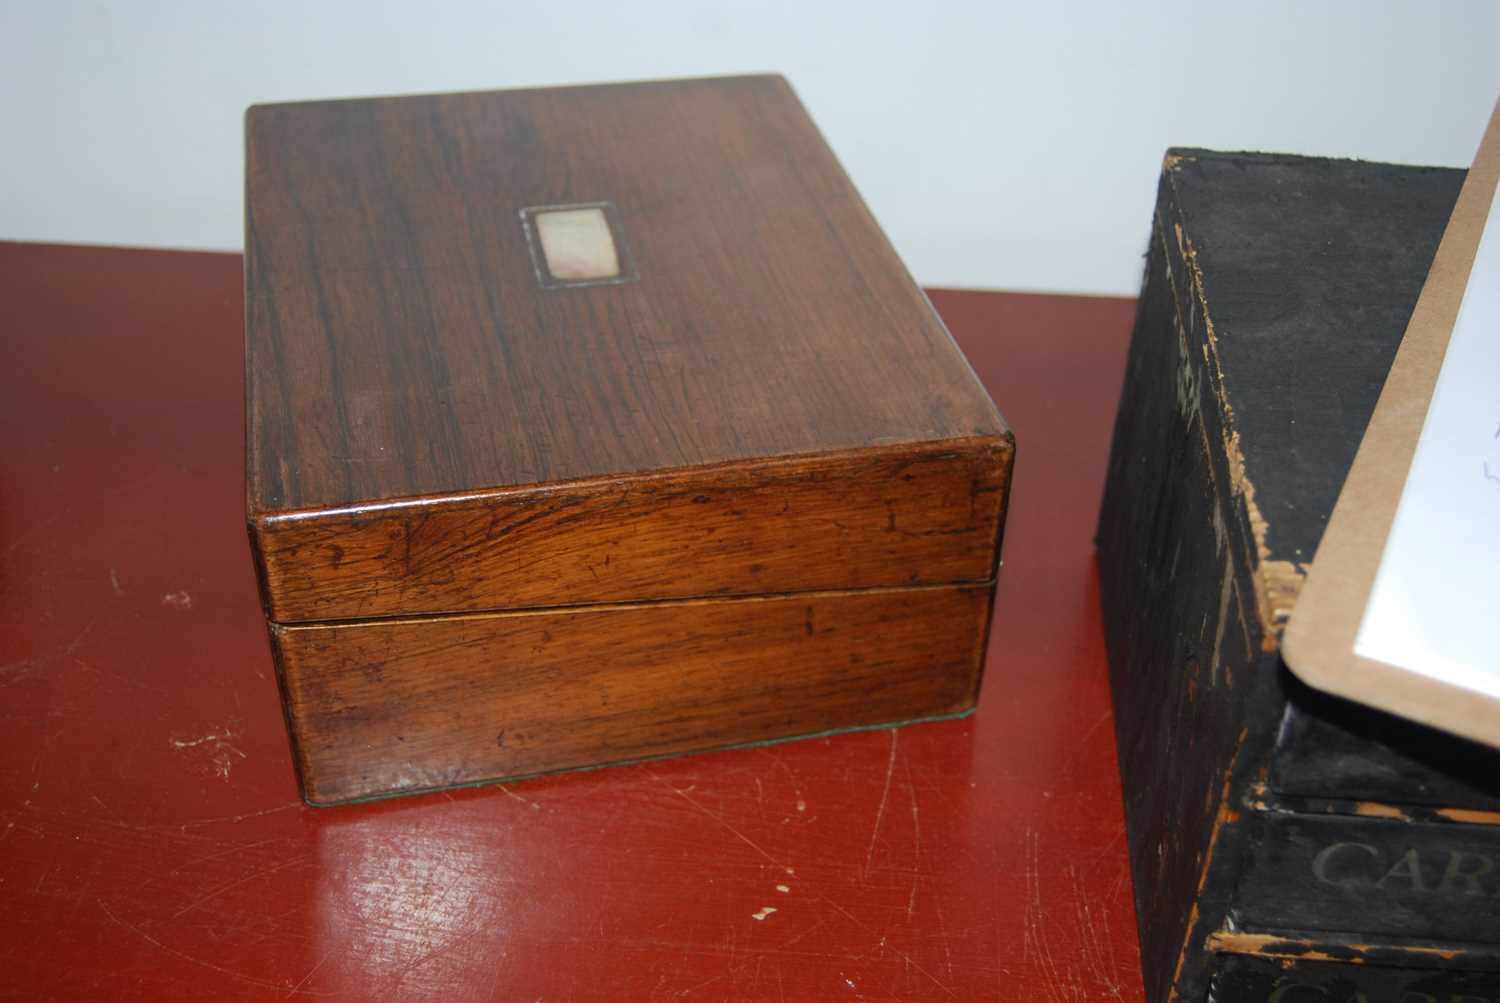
(1287, 846)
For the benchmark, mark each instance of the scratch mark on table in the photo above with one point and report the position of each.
(937, 906)
(238, 976)
(817, 895)
(896, 950)
(220, 758)
(18, 669)
(46, 871)
(734, 942)
(692, 989)
(36, 764)
(1036, 944)
(118, 677)
(38, 833)
(237, 818)
(822, 922)
(114, 815)
(181, 599)
(717, 818)
(880, 811)
(916, 835)
(67, 510)
(448, 945)
(215, 737)
(310, 973)
(1098, 952)
(791, 777)
(514, 796)
(246, 879)
(1108, 715)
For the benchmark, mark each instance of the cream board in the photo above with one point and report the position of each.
(1423, 642)
(1435, 607)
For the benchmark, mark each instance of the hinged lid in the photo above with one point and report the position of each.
(595, 344)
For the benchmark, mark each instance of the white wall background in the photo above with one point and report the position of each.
(1003, 145)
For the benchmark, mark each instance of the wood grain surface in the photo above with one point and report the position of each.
(153, 845)
(401, 346)
(899, 515)
(391, 707)
(752, 398)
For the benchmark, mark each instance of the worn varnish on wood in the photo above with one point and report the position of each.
(689, 463)
(1287, 846)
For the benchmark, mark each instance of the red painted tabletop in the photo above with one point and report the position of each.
(152, 844)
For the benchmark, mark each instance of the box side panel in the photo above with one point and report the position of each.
(890, 517)
(1310, 268)
(388, 708)
(1185, 643)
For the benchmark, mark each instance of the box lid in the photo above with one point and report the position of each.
(593, 344)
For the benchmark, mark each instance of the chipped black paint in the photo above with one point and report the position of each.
(1276, 292)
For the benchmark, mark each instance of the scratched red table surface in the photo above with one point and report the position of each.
(152, 844)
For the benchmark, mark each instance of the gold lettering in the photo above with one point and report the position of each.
(1408, 869)
(1320, 864)
(1461, 880)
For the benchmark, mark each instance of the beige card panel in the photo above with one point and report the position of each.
(1318, 643)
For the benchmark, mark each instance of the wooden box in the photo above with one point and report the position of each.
(595, 424)
(1287, 846)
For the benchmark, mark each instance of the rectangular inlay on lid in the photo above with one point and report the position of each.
(574, 245)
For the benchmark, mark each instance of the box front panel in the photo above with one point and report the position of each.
(891, 517)
(391, 707)
(1255, 980)
(1378, 880)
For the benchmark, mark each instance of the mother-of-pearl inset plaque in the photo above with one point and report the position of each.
(575, 245)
